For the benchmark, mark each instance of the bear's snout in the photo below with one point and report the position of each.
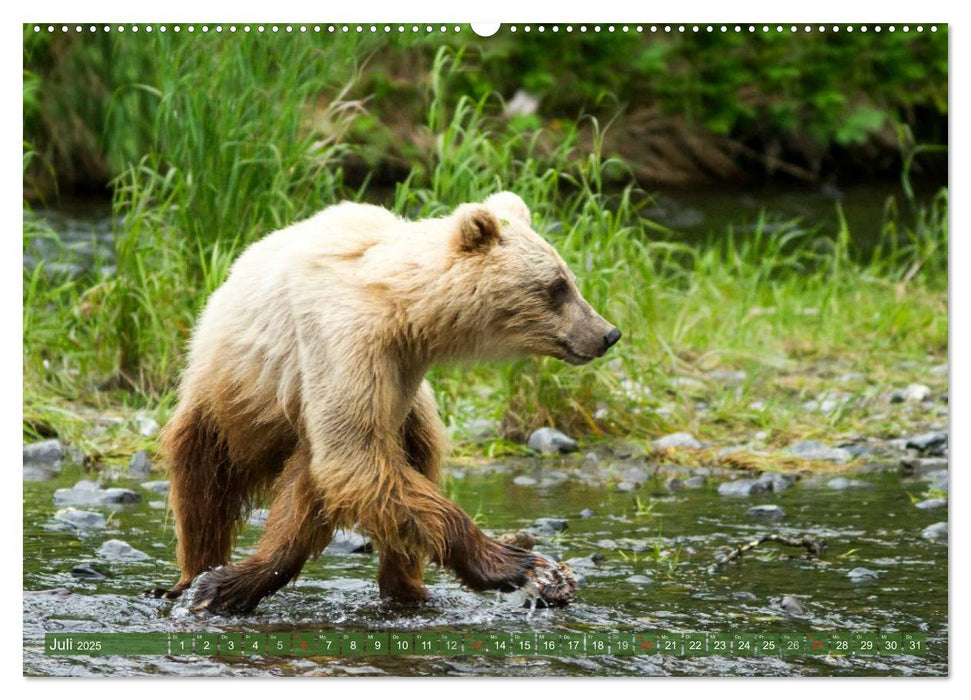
(611, 338)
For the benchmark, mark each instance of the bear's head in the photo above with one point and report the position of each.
(527, 301)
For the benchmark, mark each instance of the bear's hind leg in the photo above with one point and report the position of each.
(295, 530)
(206, 495)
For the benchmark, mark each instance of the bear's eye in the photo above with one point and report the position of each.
(559, 292)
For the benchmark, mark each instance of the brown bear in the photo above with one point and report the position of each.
(306, 379)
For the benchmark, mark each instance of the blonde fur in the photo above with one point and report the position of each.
(312, 354)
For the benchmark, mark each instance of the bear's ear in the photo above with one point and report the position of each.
(478, 228)
(511, 204)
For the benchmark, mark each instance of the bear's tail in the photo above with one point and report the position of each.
(206, 494)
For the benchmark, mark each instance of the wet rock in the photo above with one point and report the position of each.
(931, 444)
(81, 519)
(553, 524)
(118, 550)
(914, 393)
(591, 460)
(156, 486)
(937, 531)
(776, 481)
(549, 441)
(860, 574)
(742, 488)
(525, 481)
(793, 605)
(817, 451)
(744, 595)
(917, 465)
(38, 474)
(931, 504)
(49, 453)
(258, 517)
(157, 505)
(87, 493)
(640, 580)
(677, 441)
(349, 542)
(938, 479)
(626, 486)
(766, 512)
(586, 513)
(674, 484)
(694, 482)
(87, 571)
(140, 466)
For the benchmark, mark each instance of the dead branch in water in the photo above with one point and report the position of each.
(814, 548)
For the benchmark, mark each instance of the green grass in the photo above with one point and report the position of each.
(793, 307)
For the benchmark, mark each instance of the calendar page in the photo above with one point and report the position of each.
(515, 349)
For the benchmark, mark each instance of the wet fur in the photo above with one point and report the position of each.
(305, 382)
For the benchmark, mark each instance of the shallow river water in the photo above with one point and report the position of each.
(658, 547)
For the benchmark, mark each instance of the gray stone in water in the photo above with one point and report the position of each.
(862, 574)
(86, 571)
(156, 486)
(626, 486)
(674, 484)
(815, 450)
(931, 504)
(677, 440)
(591, 459)
(48, 452)
(937, 531)
(81, 519)
(640, 580)
(742, 487)
(776, 481)
(88, 493)
(157, 505)
(916, 465)
(550, 441)
(841, 483)
(117, 550)
(937, 479)
(140, 466)
(553, 524)
(793, 605)
(694, 482)
(744, 595)
(586, 513)
(525, 481)
(258, 517)
(349, 542)
(766, 512)
(933, 443)
(38, 474)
